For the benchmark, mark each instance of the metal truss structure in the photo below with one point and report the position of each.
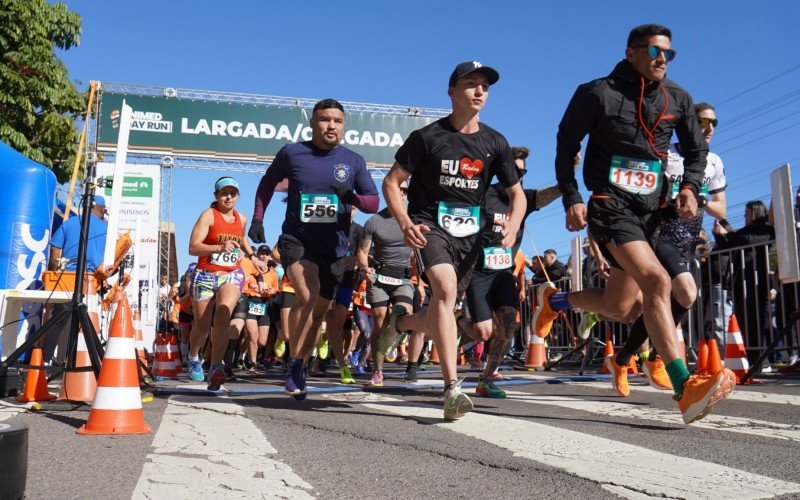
(170, 162)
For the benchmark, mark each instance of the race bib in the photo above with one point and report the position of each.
(388, 280)
(676, 186)
(497, 258)
(318, 208)
(225, 258)
(257, 308)
(635, 176)
(459, 221)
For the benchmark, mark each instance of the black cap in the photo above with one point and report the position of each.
(468, 67)
(264, 249)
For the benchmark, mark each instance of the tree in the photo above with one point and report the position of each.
(38, 103)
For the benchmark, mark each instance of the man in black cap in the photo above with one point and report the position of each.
(453, 161)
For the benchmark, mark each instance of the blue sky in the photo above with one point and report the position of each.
(403, 52)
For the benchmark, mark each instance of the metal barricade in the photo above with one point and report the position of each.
(739, 280)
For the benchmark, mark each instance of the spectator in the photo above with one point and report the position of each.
(554, 268)
(751, 276)
(64, 255)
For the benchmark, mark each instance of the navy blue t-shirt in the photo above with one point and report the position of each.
(312, 215)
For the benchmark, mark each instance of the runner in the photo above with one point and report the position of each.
(630, 117)
(258, 304)
(336, 316)
(325, 180)
(493, 291)
(675, 249)
(218, 240)
(453, 160)
(388, 276)
(185, 313)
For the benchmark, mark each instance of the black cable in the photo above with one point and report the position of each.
(725, 101)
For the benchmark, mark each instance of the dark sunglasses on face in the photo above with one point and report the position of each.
(705, 122)
(654, 50)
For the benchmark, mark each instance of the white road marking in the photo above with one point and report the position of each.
(208, 448)
(637, 472)
(8, 409)
(738, 395)
(741, 425)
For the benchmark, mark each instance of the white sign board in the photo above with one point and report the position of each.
(141, 196)
(785, 225)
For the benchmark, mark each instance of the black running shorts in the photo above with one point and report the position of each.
(489, 292)
(613, 221)
(331, 269)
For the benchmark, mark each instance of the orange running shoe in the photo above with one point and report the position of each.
(619, 376)
(544, 316)
(701, 392)
(656, 374)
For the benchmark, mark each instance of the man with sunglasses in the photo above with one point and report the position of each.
(452, 161)
(630, 117)
(675, 248)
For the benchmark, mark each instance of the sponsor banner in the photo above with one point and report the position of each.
(163, 125)
(141, 197)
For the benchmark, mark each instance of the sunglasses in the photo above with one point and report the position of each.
(654, 50)
(705, 122)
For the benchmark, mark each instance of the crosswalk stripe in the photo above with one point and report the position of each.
(626, 410)
(209, 448)
(636, 472)
(738, 395)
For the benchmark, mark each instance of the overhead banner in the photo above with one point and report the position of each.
(171, 125)
(141, 198)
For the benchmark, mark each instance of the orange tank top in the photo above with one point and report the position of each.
(220, 232)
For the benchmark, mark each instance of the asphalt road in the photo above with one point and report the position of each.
(555, 435)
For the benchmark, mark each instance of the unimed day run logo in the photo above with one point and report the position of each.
(135, 187)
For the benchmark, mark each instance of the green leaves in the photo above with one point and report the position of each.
(38, 102)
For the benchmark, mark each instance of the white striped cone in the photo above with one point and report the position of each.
(117, 407)
(81, 385)
(735, 353)
(162, 364)
(140, 352)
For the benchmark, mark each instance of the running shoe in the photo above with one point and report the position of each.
(196, 370)
(411, 374)
(487, 389)
(701, 392)
(322, 348)
(295, 378)
(229, 376)
(619, 376)
(377, 379)
(390, 335)
(456, 403)
(544, 315)
(253, 368)
(656, 374)
(588, 320)
(347, 378)
(216, 377)
(280, 348)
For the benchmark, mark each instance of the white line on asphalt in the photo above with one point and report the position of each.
(208, 448)
(627, 470)
(741, 425)
(738, 395)
(8, 410)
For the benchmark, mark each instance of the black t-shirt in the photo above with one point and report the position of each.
(454, 168)
(497, 207)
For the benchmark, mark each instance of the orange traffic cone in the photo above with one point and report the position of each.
(36, 381)
(714, 362)
(81, 385)
(174, 354)
(117, 406)
(536, 356)
(434, 359)
(140, 353)
(702, 357)
(735, 354)
(164, 364)
(609, 349)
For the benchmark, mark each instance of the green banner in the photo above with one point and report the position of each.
(136, 187)
(163, 125)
